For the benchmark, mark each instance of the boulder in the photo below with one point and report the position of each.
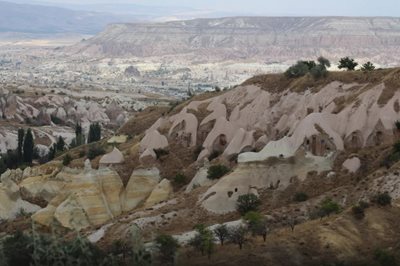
(352, 165)
(140, 185)
(89, 197)
(160, 193)
(153, 140)
(114, 157)
(200, 179)
(10, 201)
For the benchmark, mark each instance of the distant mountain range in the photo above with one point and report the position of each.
(260, 38)
(40, 19)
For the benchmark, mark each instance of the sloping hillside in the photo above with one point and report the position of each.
(277, 137)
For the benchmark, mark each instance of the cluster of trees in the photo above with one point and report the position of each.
(320, 68)
(350, 64)
(23, 155)
(26, 152)
(316, 69)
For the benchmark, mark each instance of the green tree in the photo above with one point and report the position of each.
(310, 64)
(347, 63)
(167, 247)
(222, 233)
(298, 70)
(237, 235)
(256, 223)
(28, 147)
(94, 133)
(324, 62)
(247, 203)
(368, 67)
(203, 240)
(21, 135)
(328, 206)
(79, 136)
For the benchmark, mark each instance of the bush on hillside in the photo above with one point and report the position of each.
(368, 67)
(298, 70)
(180, 179)
(300, 197)
(328, 207)
(217, 171)
(347, 63)
(95, 151)
(383, 199)
(247, 203)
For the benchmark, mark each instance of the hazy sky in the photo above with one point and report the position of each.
(265, 7)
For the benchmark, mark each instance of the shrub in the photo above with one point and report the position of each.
(348, 63)
(368, 67)
(67, 159)
(247, 203)
(383, 199)
(300, 197)
(397, 124)
(384, 258)
(298, 70)
(328, 206)
(95, 151)
(217, 171)
(222, 233)
(167, 247)
(180, 179)
(17, 250)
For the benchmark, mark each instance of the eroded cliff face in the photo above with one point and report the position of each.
(259, 38)
(302, 129)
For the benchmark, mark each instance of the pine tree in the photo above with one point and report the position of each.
(21, 134)
(94, 133)
(28, 147)
(60, 144)
(79, 136)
